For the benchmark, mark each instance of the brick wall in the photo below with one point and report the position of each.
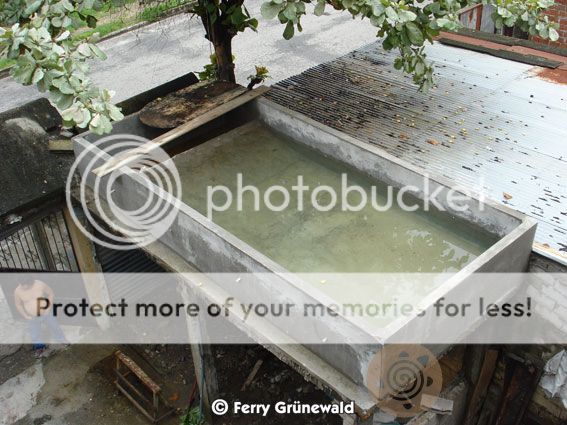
(557, 13)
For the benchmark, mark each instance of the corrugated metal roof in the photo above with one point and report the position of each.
(500, 128)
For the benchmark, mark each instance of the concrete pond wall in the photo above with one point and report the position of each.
(211, 248)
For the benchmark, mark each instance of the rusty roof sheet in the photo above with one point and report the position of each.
(500, 129)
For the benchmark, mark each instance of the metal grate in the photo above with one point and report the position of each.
(42, 244)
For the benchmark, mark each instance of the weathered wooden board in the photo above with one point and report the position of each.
(61, 146)
(188, 103)
(481, 388)
(131, 155)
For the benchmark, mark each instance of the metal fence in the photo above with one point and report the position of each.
(42, 243)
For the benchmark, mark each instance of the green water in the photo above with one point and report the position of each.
(310, 240)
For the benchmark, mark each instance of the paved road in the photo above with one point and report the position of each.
(162, 51)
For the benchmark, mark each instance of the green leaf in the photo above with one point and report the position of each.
(505, 13)
(85, 121)
(63, 85)
(97, 52)
(100, 124)
(432, 8)
(289, 30)
(67, 5)
(443, 22)
(377, 21)
(406, 16)
(414, 33)
(290, 12)
(114, 113)
(388, 43)
(253, 24)
(84, 49)
(32, 8)
(419, 68)
(61, 101)
(553, 34)
(319, 8)
(237, 17)
(270, 10)
(391, 14)
(64, 36)
(91, 21)
(37, 76)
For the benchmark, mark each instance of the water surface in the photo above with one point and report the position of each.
(311, 240)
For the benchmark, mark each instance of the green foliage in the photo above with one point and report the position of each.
(102, 30)
(6, 63)
(289, 13)
(39, 40)
(262, 74)
(192, 417)
(38, 37)
(153, 13)
(209, 71)
(407, 25)
(233, 15)
(521, 13)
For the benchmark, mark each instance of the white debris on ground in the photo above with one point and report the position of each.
(554, 379)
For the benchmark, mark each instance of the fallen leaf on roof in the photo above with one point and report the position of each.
(507, 196)
(403, 136)
(432, 142)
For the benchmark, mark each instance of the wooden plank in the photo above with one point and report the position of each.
(138, 405)
(481, 388)
(121, 160)
(123, 380)
(83, 247)
(437, 405)
(252, 374)
(143, 376)
(452, 364)
(181, 106)
(85, 254)
(502, 53)
(63, 145)
(519, 386)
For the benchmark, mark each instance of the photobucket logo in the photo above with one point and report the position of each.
(326, 198)
(149, 173)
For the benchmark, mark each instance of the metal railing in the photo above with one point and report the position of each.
(41, 243)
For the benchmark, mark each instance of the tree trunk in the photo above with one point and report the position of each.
(221, 37)
(225, 65)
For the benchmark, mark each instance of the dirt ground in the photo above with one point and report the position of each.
(274, 382)
(67, 387)
(76, 385)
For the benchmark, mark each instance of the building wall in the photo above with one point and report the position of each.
(557, 13)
